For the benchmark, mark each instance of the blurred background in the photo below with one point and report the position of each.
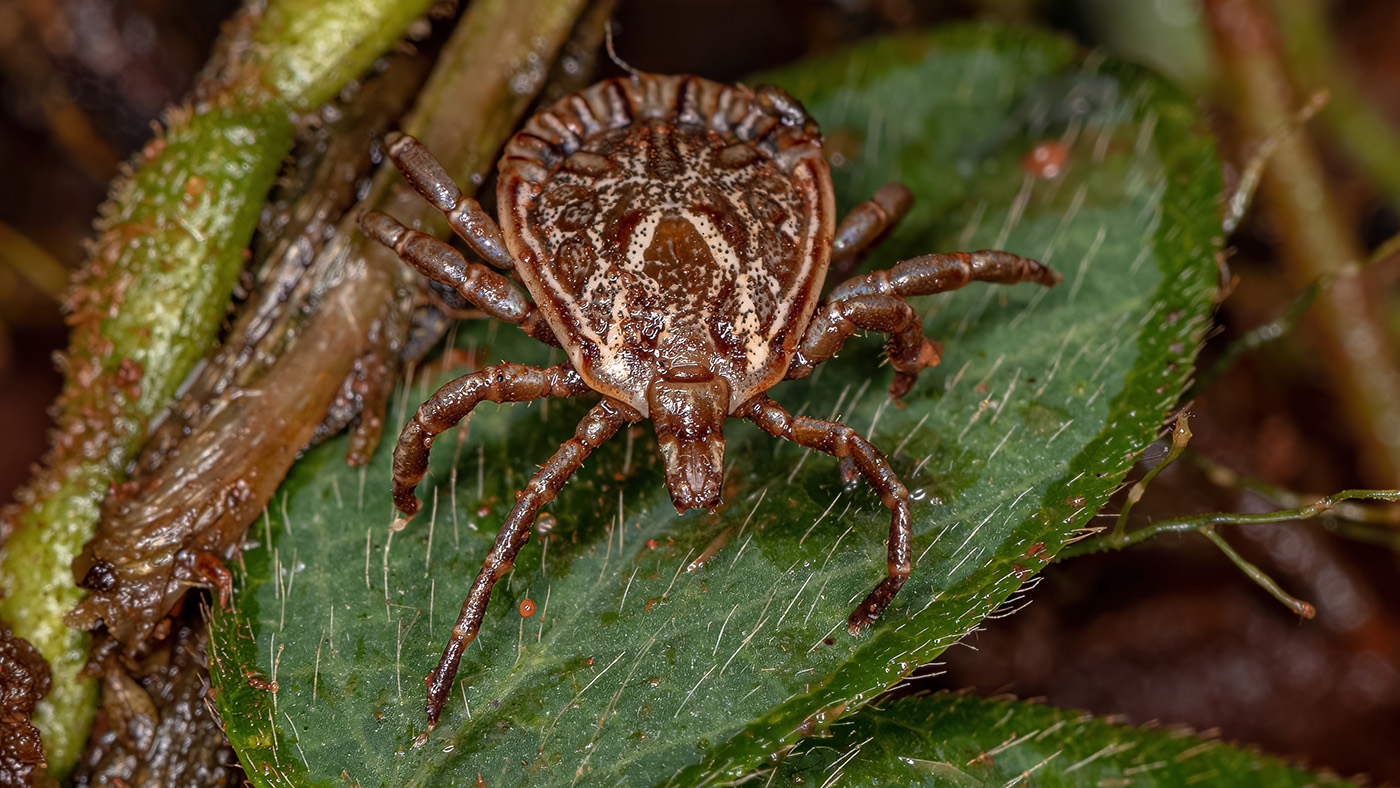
(1168, 631)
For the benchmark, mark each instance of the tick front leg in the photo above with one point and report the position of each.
(464, 214)
(455, 401)
(600, 424)
(485, 289)
(838, 440)
(865, 224)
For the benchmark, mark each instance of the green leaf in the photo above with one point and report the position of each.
(966, 742)
(634, 670)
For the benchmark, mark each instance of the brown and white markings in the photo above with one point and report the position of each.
(674, 235)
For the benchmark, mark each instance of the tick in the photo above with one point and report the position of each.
(674, 235)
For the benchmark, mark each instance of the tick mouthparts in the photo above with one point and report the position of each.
(689, 416)
(694, 469)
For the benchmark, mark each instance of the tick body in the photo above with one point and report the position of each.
(674, 235)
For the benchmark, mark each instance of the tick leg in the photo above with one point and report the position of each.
(487, 290)
(838, 440)
(875, 302)
(938, 273)
(455, 401)
(865, 224)
(209, 567)
(468, 220)
(909, 351)
(601, 422)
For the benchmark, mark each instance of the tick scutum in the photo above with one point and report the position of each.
(671, 223)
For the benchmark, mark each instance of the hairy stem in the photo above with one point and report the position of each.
(150, 300)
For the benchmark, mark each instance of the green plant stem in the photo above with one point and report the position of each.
(1356, 351)
(1281, 326)
(1243, 197)
(31, 262)
(1204, 524)
(149, 303)
(315, 47)
(1181, 435)
(1258, 575)
(1378, 525)
(1352, 512)
(1260, 335)
(1200, 521)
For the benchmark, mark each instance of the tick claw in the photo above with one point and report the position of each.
(901, 384)
(863, 617)
(847, 468)
(931, 353)
(213, 570)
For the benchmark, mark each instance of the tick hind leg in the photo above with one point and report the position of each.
(841, 441)
(600, 424)
(875, 302)
(455, 401)
(866, 224)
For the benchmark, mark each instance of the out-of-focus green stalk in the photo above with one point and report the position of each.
(1317, 241)
(1361, 130)
(498, 60)
(150, 300)
(31, 262)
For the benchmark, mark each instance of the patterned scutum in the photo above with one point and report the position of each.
(681, 239)
(664, 245)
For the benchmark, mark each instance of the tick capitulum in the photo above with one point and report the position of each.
(674, 235)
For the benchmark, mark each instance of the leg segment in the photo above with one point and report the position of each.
(601, 422)
(487, 290)
(909, 350)
(865, 224)
(875, 302)
(841, 441)
(938, 273)
(465, 215)
(455, 401)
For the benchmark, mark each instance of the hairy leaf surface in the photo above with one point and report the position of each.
(953, 741)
